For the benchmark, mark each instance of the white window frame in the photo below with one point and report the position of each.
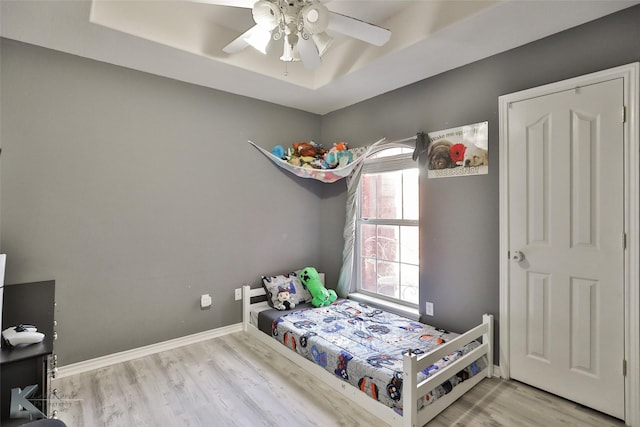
(382, 164)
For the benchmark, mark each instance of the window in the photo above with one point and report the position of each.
(387, 228)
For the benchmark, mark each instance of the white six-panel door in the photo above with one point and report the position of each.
(566, 220)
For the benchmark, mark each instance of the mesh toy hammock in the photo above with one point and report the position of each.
(324, 175)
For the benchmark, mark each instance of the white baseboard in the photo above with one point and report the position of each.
(125, 356)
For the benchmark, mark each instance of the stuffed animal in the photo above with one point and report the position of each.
(310, 149)
(321, 296)
(278, 151)
(338, 158)
(285, 300)
(338, 155)
(340, 146)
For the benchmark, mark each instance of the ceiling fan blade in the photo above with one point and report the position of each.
(308, 53)
(240, 42)
(357, 29)
(247, 4)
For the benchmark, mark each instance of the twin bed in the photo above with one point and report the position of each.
(402, 371)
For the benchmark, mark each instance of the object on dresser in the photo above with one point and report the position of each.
(22, 335)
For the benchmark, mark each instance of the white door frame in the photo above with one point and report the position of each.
(630, 74)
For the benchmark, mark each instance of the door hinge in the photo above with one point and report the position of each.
(624, 114)
(624, 241)
(624, 368)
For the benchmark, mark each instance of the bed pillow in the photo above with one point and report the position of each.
(290, 282)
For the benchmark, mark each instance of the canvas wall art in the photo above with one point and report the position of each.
(460, 151)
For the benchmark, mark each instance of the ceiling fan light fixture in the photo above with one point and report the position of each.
(295, 54)
(290, 52)
(266, 14)
(322, 41)
(300, 26)
(259, 40)
(315, 18)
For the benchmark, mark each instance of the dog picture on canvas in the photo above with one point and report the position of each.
(475, 156)
(459, 151)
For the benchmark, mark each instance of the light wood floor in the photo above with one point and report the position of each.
(233, 381)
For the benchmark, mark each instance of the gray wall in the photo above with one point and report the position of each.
(137, 194)
(459, 216)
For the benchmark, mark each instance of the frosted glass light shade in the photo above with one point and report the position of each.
(266, 14)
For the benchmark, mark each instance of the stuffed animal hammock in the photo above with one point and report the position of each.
(324, 175)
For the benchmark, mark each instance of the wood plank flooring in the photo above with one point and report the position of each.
(234, 381)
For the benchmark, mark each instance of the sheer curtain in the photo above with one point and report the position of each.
(345, 280)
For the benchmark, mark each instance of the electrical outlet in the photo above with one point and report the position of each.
(238, 294)
(428, 307)
(205, 301)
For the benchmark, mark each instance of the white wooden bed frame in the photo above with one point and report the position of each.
(411, 366)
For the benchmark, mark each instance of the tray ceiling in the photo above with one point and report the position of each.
(183, 40)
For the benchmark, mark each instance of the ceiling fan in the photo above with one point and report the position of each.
(302, 26)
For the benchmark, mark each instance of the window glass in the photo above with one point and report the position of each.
(387, 227)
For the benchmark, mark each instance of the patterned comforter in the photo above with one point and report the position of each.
(363, 346)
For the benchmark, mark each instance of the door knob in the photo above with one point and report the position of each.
(517, 256)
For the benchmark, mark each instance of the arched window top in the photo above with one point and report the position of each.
(394, 151)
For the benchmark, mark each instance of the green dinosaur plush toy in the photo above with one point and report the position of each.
(321, 296)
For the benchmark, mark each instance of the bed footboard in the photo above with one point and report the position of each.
(413, 364)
